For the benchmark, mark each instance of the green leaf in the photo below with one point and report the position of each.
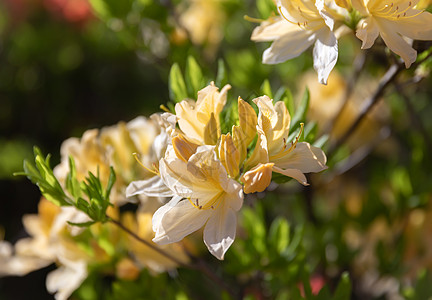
(266, 89)
(194, 77)
(343, 290)
(221, 77)
(302, 108)
(85, 224)
(177, 86)
(289, 102)
(42, 175)
(265, 8)
(321, 141)
(279, 234)
(256, 230)
(111, 180)
(72, 184)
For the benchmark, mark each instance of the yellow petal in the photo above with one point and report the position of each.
(247, 120)
(183, 148)
(258, 178)
(229, 155)
(211, 131)
(344, 3)
(240, 142)
(260, 152)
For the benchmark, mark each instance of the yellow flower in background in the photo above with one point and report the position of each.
(53, 240)
(393, 20)
(301, 24)
(203, 21)
(199, 121)
(144, 256)
(326, 102)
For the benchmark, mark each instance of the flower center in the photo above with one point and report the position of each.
(390, 11)
(213, 203)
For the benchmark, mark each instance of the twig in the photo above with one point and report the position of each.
(148, 244)
(199, 264)
(388, 77)
(359, 62)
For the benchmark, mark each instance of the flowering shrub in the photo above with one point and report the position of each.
(300, 188)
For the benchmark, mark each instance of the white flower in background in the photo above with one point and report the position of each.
(393, 20)
(301, 24)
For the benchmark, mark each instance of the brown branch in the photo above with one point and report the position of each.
(358, 64)
(148, 244)
(388, 78)
(199, 264)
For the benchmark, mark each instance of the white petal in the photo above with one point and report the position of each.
(220, 231)
(288, 46)
(367, 32)
(180, 221)
(325, 54)
(66, 279)
(395, 42)
(328, 18)
(293, 173)
(158, 215)
(417, 28)
(269, 31)
(152, 187)
(303, 157)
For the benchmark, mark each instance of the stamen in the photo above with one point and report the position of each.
(279, 8)
(253, 20)
(164, 108)
(155, 171)
(294, 144)
(210, 204)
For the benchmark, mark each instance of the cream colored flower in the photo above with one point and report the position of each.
(50, 241)
(203, 21)
(293, 159)
(393, 20)
(301, 24)
(141, 224)
(199, 121)
(203, 196)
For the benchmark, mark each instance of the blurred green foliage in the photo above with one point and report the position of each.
(360, 220)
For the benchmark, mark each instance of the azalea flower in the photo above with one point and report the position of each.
(301, 23)
(202, 196)
(273, 153)
(203, 21)
(393, 21)
(141, 224)
(199, 120)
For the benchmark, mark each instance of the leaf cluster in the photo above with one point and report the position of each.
(88, 196)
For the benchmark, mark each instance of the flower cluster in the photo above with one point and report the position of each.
(206, 172)
(76, 249)
(302, 23)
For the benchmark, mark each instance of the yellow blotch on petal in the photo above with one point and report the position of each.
(258, 178)
(344, 3)
(183, 148)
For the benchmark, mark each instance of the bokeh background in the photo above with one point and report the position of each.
(70, 65)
